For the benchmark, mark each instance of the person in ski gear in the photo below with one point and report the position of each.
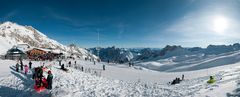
(17, 67)
(62, 66)
(21, 64)
(183, 77)
(82, 68)
(30, 65)
(60, 62)
(176, 81)
(40, 75)
(104, 67)
(49, 80)
(35, 73)
(26, 69)
(211, 80)
(69, 63)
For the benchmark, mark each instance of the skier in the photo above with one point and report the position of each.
(103, 67)
(26, 69)
(94, 62)
(75, 62)
(129, 64)
(17, 67)
(49, 80)
(30, 65)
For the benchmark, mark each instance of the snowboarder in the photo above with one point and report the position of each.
(49, 80)
(103, 67)
(211, 80)
(30, 65)
(26, 69)
(17, 67)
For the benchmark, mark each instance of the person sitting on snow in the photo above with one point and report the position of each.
(26, 69)
(62, 66)
(211, 80)
(49, 80)
(37, 82)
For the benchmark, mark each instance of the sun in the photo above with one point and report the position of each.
(220, 24)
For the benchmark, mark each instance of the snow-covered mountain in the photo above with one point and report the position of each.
(13, 34)
(114, 54)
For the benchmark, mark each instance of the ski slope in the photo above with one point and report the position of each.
(119, 81)
(191, 63)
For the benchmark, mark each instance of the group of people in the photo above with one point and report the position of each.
(177, 80)
(130, 64)
(40, 81)
(26, 67)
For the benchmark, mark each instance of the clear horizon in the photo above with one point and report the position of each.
(130, 24)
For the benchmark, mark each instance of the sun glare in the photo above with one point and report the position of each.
(220, 24)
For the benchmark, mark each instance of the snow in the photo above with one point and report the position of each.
(191, 63)
(119, 80)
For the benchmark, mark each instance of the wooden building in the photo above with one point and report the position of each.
(15, 54)
(42, 54)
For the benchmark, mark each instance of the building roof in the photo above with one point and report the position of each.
(15, 51)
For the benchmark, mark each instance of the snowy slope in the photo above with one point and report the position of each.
(191, 63)
(85, 84)
(12, 34)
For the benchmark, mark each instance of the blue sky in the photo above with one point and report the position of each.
(129, 23)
